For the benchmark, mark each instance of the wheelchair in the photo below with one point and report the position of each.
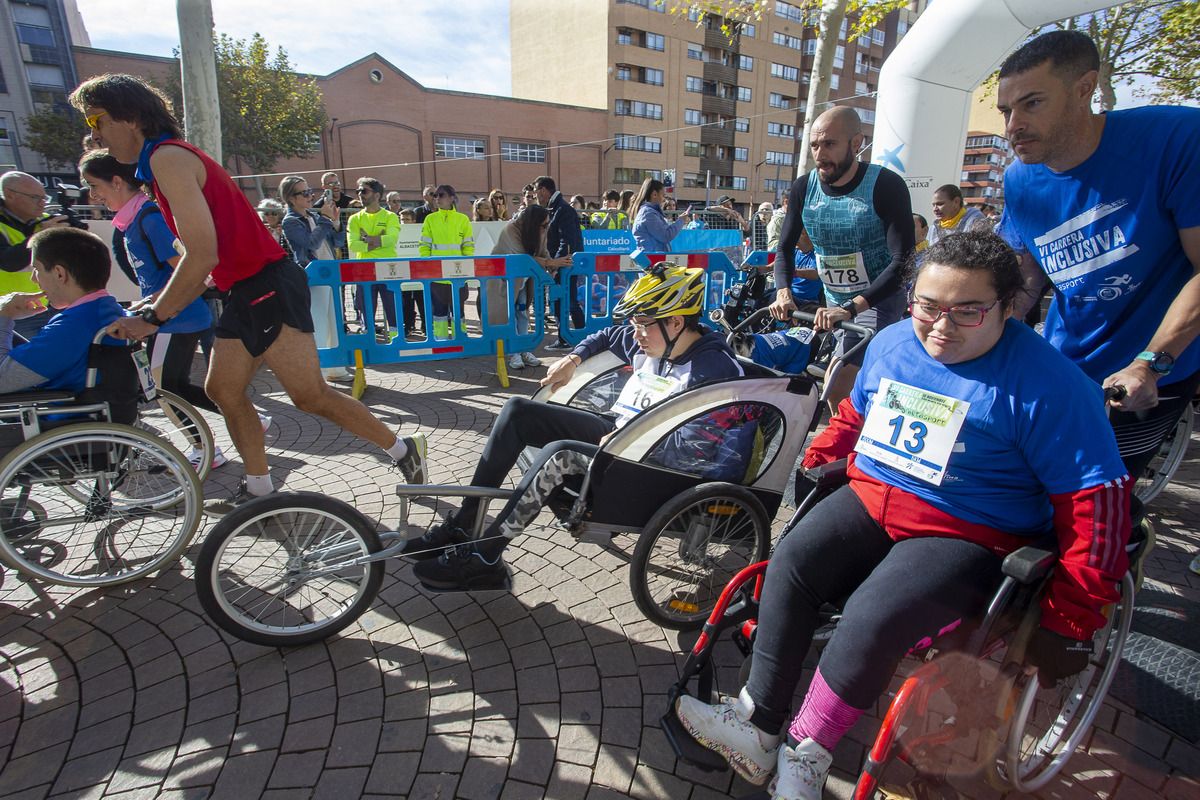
(302, 567)
(1004, 726)
(87, 498)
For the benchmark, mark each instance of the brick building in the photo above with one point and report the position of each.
(984, 160)
(380, 116)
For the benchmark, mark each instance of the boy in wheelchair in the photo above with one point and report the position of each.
(669, 351)
(968, 435)
(72, 268)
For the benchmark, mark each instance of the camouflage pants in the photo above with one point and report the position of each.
(560, 464)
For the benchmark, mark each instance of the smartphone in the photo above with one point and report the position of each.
(689, 210)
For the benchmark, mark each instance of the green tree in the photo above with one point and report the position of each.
(56, 134)
(268, 112)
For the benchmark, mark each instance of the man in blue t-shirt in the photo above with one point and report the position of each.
(72, 267)
(1108, 207)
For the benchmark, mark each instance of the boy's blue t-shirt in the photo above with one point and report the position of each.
(1107, 234)
(59, 351)
(1036, 425)
(159, 241)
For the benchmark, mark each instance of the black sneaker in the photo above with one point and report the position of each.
(464, 569)
(435, 541)
(559, 345)
(412, 466)
(219, 508)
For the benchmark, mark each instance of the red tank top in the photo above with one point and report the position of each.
(244, 245)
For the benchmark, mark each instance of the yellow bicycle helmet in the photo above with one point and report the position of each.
(664, 291)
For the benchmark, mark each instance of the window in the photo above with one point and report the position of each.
(631, 175)
(694, 84)
(860, 87)
(835, 81)
(776, 157)
(810, 47)
(654, 41)
(839, 57)
(866, 115)
(779, 101)
(3, 131)
(901, 28)
(34, 35)
(691, 149)
(447, 147)
(654, 77)
(845, 27)
(45, 75)
(695, 51)
(966, 176)
(636, 108)
(877, 37)
(784, 71)
(791, 41)
(779, 187)
(623, 73)
(789, 11)
(523, 153)
(860, 64)
(741, 125)
(749, 30)
(624, 36)
(746, 63)
(864, 40)
(741, 154)
(691, 116)
(780, 129)
(692, 181)
(645, 143)
(744, 94)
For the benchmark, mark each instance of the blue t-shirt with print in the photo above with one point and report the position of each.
(1036, 425)
(1106, 233)
(149, 244)
(59, 351)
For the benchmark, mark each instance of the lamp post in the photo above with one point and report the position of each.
(755, 189)
(332, 123)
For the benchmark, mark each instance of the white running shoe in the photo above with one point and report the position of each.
(801, 772)
(515, 362)
(265, 420)
(219, 458)
(726, 729)
(195, 458)
(530, 360)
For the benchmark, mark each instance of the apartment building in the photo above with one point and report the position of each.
(36, 71)
(984, 160)
(719, 102)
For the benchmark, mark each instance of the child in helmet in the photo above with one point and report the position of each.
(669, 351)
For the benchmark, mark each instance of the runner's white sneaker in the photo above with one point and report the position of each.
(726, 729)
(530, 360)
(515, 362)
(265, 420)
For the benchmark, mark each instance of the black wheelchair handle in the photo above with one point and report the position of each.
(1117, 393)
(866, 333)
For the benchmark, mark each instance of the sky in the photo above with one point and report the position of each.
(461, 45)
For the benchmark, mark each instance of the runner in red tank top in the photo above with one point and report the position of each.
(267, 318)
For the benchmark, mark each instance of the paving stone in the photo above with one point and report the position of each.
(483, 778)
(569, 782)
(337, 784)
(433, 787)
(532, 760)
(577, 744)
(354, 744)
(311, 734)
(297, 770)
(245, 775)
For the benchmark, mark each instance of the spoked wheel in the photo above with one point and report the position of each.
(691, 548)
(1048, 724)
(170, 417)
(282, 570)
(96, 504)
(1160, 471)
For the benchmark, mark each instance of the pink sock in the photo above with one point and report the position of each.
(824, 716)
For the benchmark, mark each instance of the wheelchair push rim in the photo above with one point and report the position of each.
(92, 529)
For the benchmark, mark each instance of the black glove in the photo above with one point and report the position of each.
(1057, 656)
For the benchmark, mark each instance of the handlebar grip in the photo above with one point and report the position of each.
(1115, 392)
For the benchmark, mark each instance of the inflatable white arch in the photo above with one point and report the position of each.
(926, 83)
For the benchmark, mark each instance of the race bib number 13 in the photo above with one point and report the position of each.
(912, 430)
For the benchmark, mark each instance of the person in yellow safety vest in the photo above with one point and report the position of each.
(372, 233)
(22, 214)
(446, 233)
(612, 217)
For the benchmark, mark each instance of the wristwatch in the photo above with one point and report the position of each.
(849, 306)
(1161, 363)
(148, 315)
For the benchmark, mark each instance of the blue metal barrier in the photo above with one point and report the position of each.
(603, 275)
(417, 274)
(759, 258)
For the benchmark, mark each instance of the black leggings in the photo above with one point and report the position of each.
(901, 594)
(176, 367)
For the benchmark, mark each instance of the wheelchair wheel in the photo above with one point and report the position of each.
(1160, 471)
(81, 505)
(691, 548)
(170, 417)
(1048, 724)
(279, 571)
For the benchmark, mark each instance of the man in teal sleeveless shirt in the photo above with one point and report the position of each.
(859, 217)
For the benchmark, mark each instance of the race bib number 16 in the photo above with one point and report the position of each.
(912, 430)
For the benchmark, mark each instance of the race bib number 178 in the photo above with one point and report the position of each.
(912, 430)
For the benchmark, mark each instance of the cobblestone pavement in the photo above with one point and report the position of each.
(552, 691)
